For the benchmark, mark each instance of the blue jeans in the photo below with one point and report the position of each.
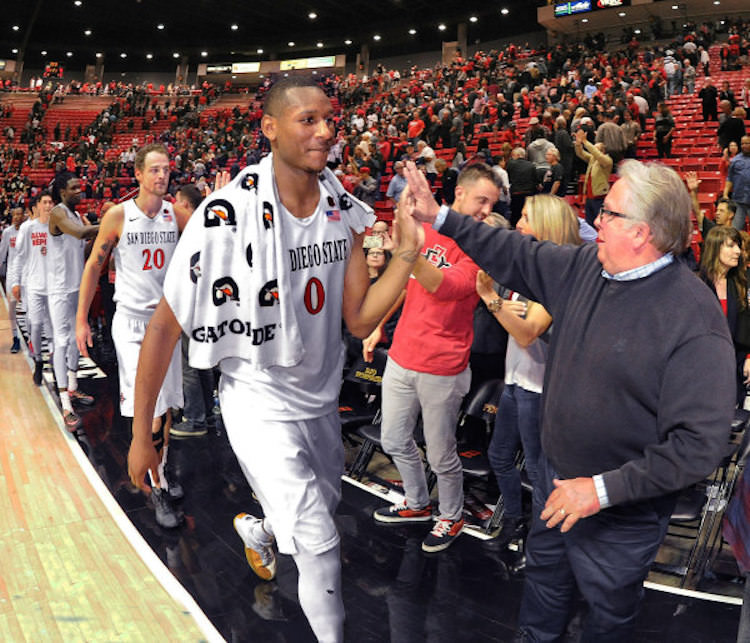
(516, 423)
(198, 393)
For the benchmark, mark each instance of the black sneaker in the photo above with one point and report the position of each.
(79, 397)
(16, 345)
(187, 430)
(442, 535)
(38, 368)
(167, 516)
(402, 513)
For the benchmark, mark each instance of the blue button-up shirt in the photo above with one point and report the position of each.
(739, 175)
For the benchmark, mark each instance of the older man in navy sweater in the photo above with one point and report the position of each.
(629, 417)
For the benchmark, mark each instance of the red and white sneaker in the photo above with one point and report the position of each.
(442, 535)
(402, 513)
(71, 420)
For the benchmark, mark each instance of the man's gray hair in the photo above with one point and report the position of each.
(658, 197)
(518, 153)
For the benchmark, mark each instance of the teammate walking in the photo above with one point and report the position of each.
(142, 233)
(29, 268)
(68, 233)
(7, 254)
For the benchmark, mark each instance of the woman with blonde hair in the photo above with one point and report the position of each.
(546, 218)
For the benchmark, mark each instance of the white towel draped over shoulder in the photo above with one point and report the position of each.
(229, 275)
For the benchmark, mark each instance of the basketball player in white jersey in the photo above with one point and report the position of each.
(142, 233)
(30, 269)
(283, 422)
(68, 233)
(7, 254)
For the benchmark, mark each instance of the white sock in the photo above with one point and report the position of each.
(265, 530)
(65, 400)
(162, 478)
(72, 381)
(320, 593)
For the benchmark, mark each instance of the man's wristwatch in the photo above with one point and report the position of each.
(495, 305)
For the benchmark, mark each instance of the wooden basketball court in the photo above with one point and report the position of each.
(72, 566)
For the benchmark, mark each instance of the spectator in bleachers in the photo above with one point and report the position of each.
(745, 95)
(632, 132)
(727, 94)
(523, 182)
(725, 208)
(708, 96)
(397, 184)
(724, 270)
(729, 152)
(738, 183)
(552, 182)
(596, 180)
(664, 127)
(688, 76)
(732, 128)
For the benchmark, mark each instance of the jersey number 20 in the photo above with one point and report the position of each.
(153, 260)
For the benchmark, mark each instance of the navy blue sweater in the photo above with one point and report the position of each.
(639, 383)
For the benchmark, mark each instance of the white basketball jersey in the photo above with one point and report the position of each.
(65, 263)
(318, 251)
(142, 255)
(30, 257)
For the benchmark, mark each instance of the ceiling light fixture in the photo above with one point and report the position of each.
(473, 19)
(312, 15)
(441, 27)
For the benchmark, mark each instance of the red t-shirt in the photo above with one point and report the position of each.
(435, 331)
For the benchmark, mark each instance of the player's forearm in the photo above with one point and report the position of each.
(87, 290)
(383, 294)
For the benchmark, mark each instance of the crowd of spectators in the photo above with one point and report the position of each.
(394, 115)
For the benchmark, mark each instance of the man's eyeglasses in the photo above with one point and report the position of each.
(611, 213)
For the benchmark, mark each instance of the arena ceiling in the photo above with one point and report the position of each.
(126, 32)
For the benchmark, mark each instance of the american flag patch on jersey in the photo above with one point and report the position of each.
(333, 215)
(167, 216)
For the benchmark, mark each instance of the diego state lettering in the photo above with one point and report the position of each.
(315, 254)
